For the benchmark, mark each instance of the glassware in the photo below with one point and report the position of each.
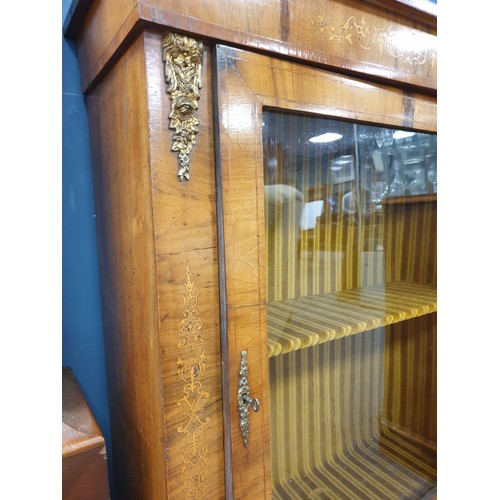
(379, 191)
(384, 138)
(432, 177)
(418, 185)
(398, 186)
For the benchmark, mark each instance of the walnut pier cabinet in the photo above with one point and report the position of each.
(266, 193)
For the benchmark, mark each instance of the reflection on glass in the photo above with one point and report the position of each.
(351, 287)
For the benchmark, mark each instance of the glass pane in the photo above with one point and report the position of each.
(351, 288)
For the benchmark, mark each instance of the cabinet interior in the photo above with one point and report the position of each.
(350, 212)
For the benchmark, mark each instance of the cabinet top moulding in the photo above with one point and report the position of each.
(386, 40)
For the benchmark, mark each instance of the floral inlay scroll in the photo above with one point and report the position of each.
(191, 367)
(182, 57)
(405, 45)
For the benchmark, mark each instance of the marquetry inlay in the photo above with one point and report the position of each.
(191, 366)
(408, 46)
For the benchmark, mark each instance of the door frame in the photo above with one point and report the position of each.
(244, 84)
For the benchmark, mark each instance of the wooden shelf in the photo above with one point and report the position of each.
(304, 322)
(418, 198)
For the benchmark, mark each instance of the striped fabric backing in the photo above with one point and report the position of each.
(410, 363)
(343, 426)
(299, 323)
(342, 251)
(351, 331)
(410, 242)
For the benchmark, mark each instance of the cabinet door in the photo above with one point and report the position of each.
(327, 218)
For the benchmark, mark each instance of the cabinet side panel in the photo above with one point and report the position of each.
(187, 272)
(101, 26)
(119, 133)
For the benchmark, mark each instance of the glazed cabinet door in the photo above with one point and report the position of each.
(327, 233)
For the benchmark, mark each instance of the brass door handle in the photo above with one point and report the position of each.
(245, 400)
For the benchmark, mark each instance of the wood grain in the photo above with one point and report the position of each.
(118, 120)
(153, 232)
(84, 462)
(353, 36)
(104, 27)
(245, 292)
(159, 255)
(185, 232)
(246, 84)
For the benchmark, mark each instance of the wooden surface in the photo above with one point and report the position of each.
(84, 463)
(244, 264)
(105, 27)
(353, 36)
(118, 120)
(246, 83)
(186, 235)
(158, 237)
(303, 322)
(159, 269)
(420, 198)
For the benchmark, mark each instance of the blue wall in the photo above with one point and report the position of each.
(82, 330)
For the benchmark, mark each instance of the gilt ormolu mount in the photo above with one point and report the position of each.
(182, 57)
